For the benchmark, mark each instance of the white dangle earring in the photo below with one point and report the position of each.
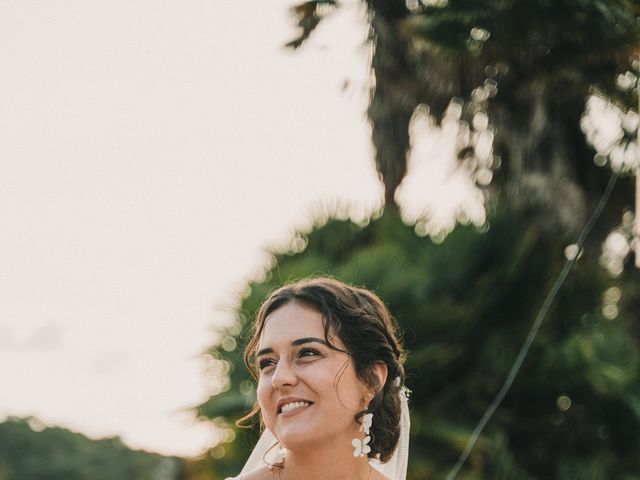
(361, 447)
(275, 458)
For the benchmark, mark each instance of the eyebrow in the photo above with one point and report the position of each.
(295, 343)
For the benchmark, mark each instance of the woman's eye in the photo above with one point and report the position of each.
(308, 352)
(265, 363)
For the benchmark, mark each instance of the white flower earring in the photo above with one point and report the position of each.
(361, 446)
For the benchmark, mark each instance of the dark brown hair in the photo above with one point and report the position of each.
(364, 325)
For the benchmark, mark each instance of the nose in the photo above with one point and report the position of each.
(284, 374)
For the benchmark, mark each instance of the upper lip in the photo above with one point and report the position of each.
(285, 400)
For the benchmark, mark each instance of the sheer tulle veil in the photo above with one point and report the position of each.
(394, 469)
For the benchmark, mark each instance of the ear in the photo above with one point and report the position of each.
(381, 371)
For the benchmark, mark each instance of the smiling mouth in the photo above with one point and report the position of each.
(289, 407)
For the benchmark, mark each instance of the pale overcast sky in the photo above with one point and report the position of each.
(149, 151)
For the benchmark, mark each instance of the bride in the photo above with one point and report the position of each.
(329, 368)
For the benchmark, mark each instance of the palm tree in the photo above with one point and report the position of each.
(530, 65)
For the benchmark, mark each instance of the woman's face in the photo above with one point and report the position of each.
(307, 391)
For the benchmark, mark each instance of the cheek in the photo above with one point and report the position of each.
(263, 394)
(350, 392)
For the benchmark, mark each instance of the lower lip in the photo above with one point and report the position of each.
(294, 412)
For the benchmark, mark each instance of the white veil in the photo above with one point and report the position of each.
(394, 469)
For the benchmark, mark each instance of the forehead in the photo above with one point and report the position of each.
(291, 322)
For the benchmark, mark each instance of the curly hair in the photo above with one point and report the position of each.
(365, 327)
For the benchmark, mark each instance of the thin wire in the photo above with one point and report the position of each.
(534, 329)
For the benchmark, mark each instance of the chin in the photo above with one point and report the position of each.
(292, 439)
(293, 445)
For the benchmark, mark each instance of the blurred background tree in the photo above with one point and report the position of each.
(31, 451)
(524, 83)
(465, 307)
(513, 73)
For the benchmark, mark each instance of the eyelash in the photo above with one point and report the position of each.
(303, 353)
(262, 364)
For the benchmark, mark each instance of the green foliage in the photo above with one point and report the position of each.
(465, 307)
(29, 451)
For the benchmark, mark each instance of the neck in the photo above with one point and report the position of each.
(325, 461)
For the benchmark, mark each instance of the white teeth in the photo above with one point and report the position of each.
(290, 406)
